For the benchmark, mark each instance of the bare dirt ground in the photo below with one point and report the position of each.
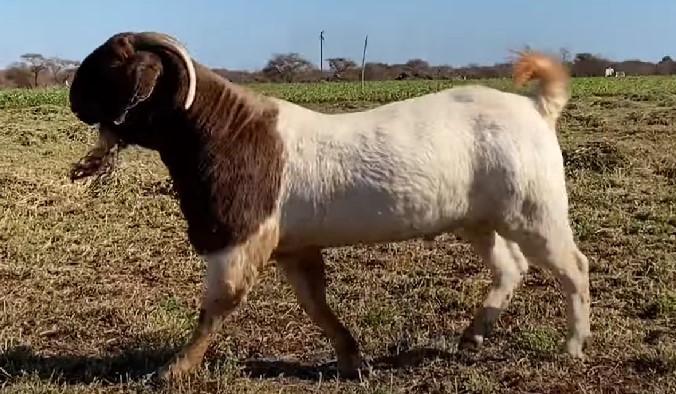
(99, 286)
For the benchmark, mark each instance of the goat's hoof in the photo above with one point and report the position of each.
(154, 379)
(351, 365)
(85, 169)
(173, 370)
(164, 374)
(575, 347)
(470, 342)
(578, 355)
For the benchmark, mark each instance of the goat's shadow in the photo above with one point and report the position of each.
(411, 358)
(132, 362)
(136, 362)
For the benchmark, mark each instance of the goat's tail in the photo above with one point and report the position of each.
(554, 88)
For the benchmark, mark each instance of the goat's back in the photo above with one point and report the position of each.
(423, 165)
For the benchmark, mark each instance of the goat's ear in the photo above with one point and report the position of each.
(142, 73)
(144, 70)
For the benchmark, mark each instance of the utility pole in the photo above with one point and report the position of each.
(321, 51)
(363, 61)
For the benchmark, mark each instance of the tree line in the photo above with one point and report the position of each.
(35, 70)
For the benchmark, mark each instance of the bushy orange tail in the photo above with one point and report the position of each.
(554, 88)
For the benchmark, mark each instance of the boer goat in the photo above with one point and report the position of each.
(262, 179)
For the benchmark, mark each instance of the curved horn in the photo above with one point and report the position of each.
(152, 39)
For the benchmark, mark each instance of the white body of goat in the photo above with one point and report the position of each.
(464, 157)
(472, 160)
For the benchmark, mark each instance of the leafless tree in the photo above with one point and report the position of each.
(565, 54)
(287, 65)
(36, 63)
(61, 69)
(418, 68)
(339, 65)
(19, 76)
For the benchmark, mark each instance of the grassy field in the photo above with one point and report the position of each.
(99, 286)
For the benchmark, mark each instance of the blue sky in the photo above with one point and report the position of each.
(243, 34)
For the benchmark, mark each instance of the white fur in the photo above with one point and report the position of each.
(463, 157)
(472, 160)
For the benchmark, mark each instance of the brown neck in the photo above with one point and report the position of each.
(231, 107)
(226, 160)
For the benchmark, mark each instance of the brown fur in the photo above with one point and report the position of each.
(224, 154)
(535, 65)
(228, 173)
(553, 92)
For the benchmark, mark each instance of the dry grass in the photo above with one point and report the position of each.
(98, 284)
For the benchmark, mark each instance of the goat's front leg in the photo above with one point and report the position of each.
(99, 159)
(305, 271)
(230, 274)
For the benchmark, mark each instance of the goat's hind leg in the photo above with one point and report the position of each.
(230, 274)
(507, 265)
(552, 246)
(305, 272)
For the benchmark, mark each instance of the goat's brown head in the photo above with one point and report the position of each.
(122, 74)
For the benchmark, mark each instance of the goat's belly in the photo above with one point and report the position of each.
(351, 221)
